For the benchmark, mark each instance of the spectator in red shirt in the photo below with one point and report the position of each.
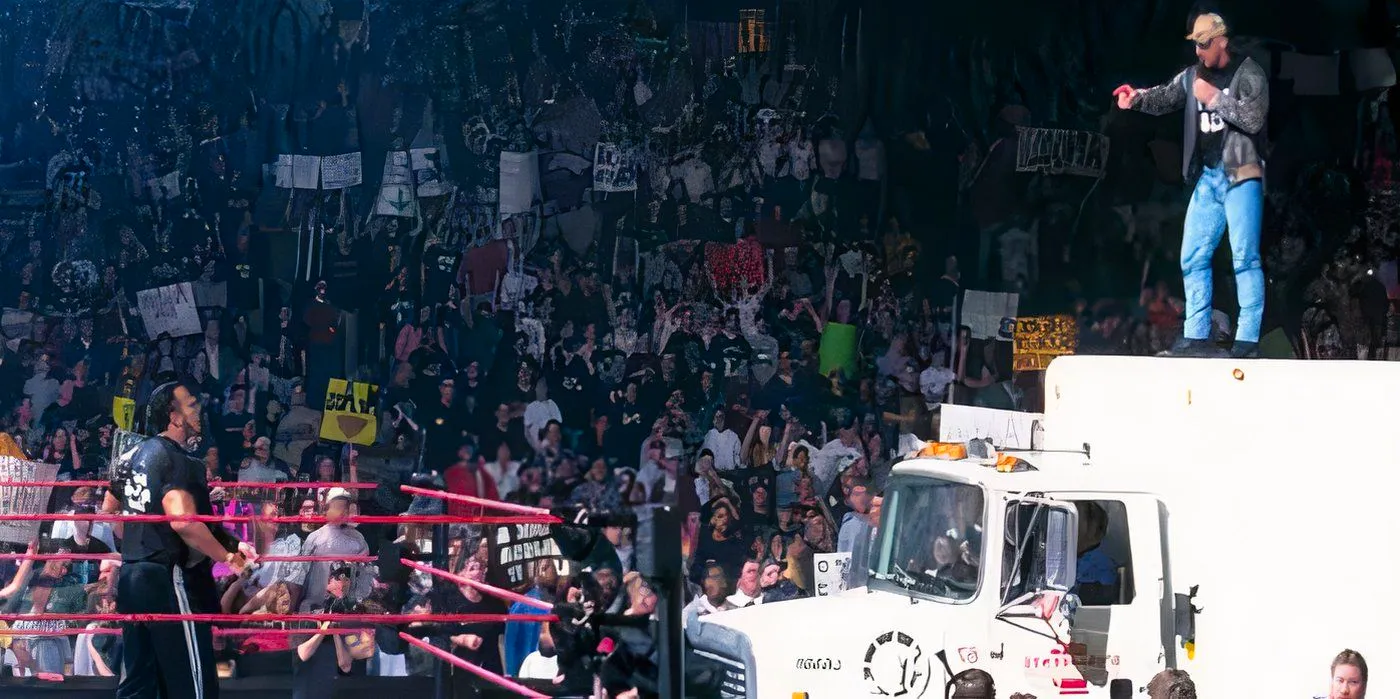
(467, 477)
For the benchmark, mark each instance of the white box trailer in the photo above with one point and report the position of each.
(1263, 485)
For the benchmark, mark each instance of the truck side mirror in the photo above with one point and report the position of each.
(1186, 611)
(1061, 548)
(1041, 547)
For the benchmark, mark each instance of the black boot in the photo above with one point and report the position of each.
(1201, 349)
(1245, 350)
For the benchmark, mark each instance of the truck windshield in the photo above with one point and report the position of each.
(930, 539)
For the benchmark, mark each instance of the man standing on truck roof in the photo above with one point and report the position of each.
(1225, 98)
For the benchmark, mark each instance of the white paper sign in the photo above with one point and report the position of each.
(396, 196)
(283, 168)
(306, 171)
(342, 171)
(990, 315)
(23, 501)
(832, 570)
(169, 310)
(166, 187)
(614, 169)
(520, 182)
(1008, 429)
(427, 173)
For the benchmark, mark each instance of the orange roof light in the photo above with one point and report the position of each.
(951, 451)
(1006, 463)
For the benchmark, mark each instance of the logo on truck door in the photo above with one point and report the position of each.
(896, 666)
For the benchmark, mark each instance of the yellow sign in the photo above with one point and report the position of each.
(123, 412)
(351, 413)
(1040, 339)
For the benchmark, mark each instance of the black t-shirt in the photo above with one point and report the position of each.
(1210, 139)
(513, 436)
(488, 654)
(574, 390)
(689, 350)
(315, 678)
(439, 272)
(156, 467)
(446, 429)
(630, 424)
(86, 571)
(730, 355)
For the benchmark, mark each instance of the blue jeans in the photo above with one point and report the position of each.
(1214, 204)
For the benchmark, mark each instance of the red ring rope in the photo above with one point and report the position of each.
(118, 557)
(483, 587)
(229, 485)
(481, 672)
(288, 519)
(382, 619)
(104, 631)
(483, 502)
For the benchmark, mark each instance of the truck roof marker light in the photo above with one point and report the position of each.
(1007, 463)
(951, 451)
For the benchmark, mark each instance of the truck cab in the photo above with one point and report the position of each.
(973, 566)
(1236, 520)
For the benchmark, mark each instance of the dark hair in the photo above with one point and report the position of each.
(970, 684)
(339, 572)
(1171, 684)
(1095, 516)
(161, 405)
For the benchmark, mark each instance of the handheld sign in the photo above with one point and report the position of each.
(351, 412)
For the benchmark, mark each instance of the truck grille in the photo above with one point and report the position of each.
(730, 679)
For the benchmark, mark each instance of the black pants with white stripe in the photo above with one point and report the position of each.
(173, 660)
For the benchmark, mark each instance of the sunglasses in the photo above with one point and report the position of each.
(1205, 45)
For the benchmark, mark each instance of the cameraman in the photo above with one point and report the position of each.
(591, 639)
(620, 650)
(318, 663)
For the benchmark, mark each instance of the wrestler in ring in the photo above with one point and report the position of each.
(167, 567)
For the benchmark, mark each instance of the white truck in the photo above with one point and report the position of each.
(1250, 536)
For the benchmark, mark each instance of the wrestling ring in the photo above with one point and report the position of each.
(45, 685)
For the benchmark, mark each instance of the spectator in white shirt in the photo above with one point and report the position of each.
(724, 443)
(541, 664)
(713, 596)
(505, 470)
(748, 590)
(538, 414)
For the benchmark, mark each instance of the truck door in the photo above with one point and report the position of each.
(1037, 569)
(1116, 631)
